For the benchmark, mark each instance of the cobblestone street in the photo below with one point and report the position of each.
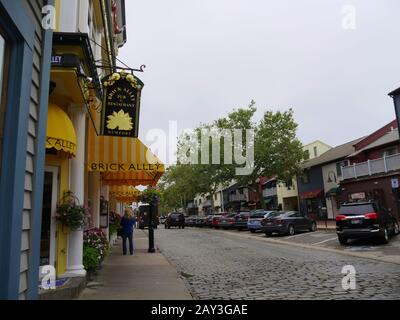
(226, 265)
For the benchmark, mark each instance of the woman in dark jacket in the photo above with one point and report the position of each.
(127, 224)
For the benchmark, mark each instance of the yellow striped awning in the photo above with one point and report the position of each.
(60, 133)
(122, 160)
(124, 193)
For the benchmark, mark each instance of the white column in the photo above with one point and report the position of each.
(94, 195)
(75, 241)
(105, 194)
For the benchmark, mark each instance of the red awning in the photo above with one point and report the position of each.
(312, 194)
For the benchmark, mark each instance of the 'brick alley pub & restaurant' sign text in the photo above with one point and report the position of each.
(121, 105)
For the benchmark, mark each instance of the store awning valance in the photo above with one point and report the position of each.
(60, 132)
(312, 194)
(122, 161)
(124, 193)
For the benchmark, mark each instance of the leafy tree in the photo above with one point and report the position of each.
(277, 153)
(277, 150)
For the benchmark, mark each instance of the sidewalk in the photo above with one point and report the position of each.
(141, 276)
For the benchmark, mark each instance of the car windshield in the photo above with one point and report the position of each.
(357, 209)
(257, 214)
(268, 213)
(230, 215)
(276, 214)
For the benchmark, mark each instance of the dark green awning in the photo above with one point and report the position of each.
(333, 192)
(268, 200)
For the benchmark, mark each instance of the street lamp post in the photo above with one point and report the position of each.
(396, 99)
(151, 227)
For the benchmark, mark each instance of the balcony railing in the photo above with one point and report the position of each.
(269, 192)
(371, 167)
(237, 197)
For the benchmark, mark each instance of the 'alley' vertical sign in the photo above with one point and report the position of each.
(121, 105)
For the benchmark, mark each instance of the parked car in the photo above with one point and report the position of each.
(207, 221)
(241, 220)
(254, 221)
(189, 221)
(199, 221)
(143, 217)
(162, 219)
(288, 222)
(175, 219)
(365, 220)
(227, 221)
(215, 220)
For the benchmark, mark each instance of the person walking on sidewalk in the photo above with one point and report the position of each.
(127, 223)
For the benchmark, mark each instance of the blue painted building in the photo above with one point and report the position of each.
(311, 192)
(25, 54)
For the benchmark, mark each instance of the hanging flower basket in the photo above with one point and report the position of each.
(70, 213)
(151, 196)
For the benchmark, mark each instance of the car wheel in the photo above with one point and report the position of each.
(396, 230)
(342, 240)
(183, 227)
(252, 231)
(385, 236)
(291, 230)
(165, 226)
(169, 227)
(268, 234)
(313, 227)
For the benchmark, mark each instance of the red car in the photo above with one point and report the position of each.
(227, 221)
(215, 221)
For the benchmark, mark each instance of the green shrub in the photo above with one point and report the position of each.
(91, 258)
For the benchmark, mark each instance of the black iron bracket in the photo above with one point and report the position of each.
(106, 66)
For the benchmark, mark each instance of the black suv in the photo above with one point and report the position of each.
(175, 219)
(365, 220)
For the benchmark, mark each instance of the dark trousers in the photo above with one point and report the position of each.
(130, 239)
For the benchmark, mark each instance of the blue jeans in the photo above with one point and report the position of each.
(130, 239)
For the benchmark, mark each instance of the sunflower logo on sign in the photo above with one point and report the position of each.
(121, 120)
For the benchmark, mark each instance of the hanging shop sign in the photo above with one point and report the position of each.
(66, 60)
(121, 105)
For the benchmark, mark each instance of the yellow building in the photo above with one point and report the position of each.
(287, 193)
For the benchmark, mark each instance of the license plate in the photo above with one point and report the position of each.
(356, 221)
(223, 221)
(269, 223)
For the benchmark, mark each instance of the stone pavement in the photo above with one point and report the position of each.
(141, 276)
(238, 265)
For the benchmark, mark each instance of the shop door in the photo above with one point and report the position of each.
(48, 233)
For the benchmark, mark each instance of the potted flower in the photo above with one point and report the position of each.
(95, 249)
(70, 214)
(151, 195)
(114, 226)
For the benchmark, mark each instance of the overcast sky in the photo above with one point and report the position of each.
(206, 57)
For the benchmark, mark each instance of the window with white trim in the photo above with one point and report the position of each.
(3, 87)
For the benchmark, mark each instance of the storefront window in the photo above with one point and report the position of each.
(2, 90)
